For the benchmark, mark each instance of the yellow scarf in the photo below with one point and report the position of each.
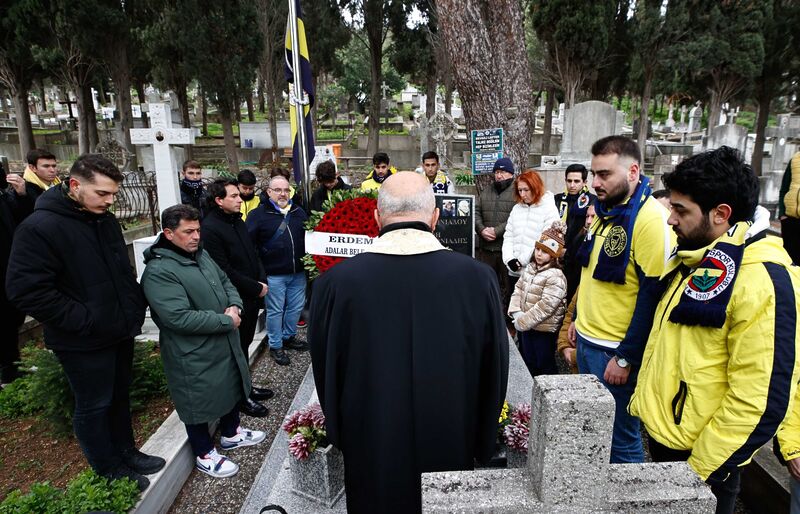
(33, 178)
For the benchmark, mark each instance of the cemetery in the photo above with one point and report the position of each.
(155, 86)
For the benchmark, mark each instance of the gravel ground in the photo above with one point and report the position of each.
(203, 494)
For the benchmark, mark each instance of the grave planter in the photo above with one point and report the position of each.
(320, 477)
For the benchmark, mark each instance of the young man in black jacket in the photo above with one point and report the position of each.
(329, 181)
(226, 240)
(69, 269)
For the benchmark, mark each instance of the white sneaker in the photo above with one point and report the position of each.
(216, 465)
(243, 437)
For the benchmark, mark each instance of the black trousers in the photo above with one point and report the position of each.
(247, 329)
(199, 438)
(9, 342)
(101, 380)
(725, 490)
(790, 232)
(495, 261)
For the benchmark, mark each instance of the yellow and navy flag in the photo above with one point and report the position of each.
(305, 79)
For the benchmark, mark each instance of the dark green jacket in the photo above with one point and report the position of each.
(492, 210)
(207, 373)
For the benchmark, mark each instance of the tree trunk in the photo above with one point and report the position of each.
(764, 101)
(714, 108)
(238, 111)
(547, 129)
(186, 120)
(204, 113)
(251, 115)
(140, 93)
(374, 24)
(495, 91)
(643, 113)
(430, 95)
(230, 143)
(24, 128)
(90, 117)
(262, 108)
(83, 125)
(121, 76)
(40, 83)
(272, 114)
(448, 98)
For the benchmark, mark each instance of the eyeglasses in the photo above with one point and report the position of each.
(281, 191)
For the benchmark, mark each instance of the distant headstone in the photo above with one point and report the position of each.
(734, 136)
(442, 128)
(257, 135)
(695, 118)
(670, 123)
(568, 466)
(584, 124)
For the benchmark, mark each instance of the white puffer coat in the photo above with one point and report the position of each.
(525, 225)
(540, 295)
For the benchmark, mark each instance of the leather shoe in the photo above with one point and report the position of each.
(253, 409)
(142, 463)
(261, 393)
(295, 343)
(279, 356)
(123, 471)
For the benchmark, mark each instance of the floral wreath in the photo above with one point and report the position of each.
(345, 212)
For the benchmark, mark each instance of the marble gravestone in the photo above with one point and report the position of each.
(734, 136)
(568, 470)
(584, 124)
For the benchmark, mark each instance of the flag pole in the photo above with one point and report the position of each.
(298, 97)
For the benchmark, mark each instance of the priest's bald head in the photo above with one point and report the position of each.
(404, 197)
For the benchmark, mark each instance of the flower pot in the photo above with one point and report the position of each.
(320, 477)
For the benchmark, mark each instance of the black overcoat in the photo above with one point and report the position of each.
(410, 360)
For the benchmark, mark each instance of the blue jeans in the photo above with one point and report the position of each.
(284, 302)
(626, 442)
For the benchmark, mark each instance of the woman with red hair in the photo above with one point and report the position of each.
(535, 211)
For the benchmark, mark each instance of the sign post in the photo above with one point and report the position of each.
(487, 147)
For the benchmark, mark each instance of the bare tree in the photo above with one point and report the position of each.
(271, 22)
(486, 43)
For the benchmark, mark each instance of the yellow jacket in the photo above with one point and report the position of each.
(724, 392)
(789, 434)
(248, 205)
(370, 183)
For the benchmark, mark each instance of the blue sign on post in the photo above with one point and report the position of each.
(484, 162)
(487, 140)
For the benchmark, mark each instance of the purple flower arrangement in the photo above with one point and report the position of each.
(517, 427)
(306, 429)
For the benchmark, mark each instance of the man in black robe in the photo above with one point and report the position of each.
(410, 355)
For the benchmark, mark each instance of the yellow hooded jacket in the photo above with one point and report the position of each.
(370, 183)
(724, 392)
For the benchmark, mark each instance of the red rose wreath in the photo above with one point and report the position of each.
(345, 212)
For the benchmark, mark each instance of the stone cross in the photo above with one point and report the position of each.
(384, 88)
(162, 136)
(442, 128)
(568, 468)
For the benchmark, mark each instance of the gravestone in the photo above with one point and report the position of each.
(569, 448)
(455, 228)
(734, 136)
(695, 118)
(584, 124)
(162, 136)
(681, 127)
(257, 135)
(442, 129)
(670, 123)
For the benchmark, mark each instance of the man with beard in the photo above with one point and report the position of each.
(623, 257)
(572, 205)
(492, 208)
(391, 382)
(247, 192)
(719, 374)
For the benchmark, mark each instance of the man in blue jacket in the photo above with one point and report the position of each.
(276, 228)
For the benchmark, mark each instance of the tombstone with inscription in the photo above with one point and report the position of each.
(568, 471)
(670, 123)
(455, 228)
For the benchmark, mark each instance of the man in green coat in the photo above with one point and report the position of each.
(197, 309)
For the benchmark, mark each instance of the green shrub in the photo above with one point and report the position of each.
(87, 492)
(46, 391)
(464, 179)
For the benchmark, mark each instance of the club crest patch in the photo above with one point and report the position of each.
(712, 277)
(615, 242)
(562, 208)
(583, 201)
